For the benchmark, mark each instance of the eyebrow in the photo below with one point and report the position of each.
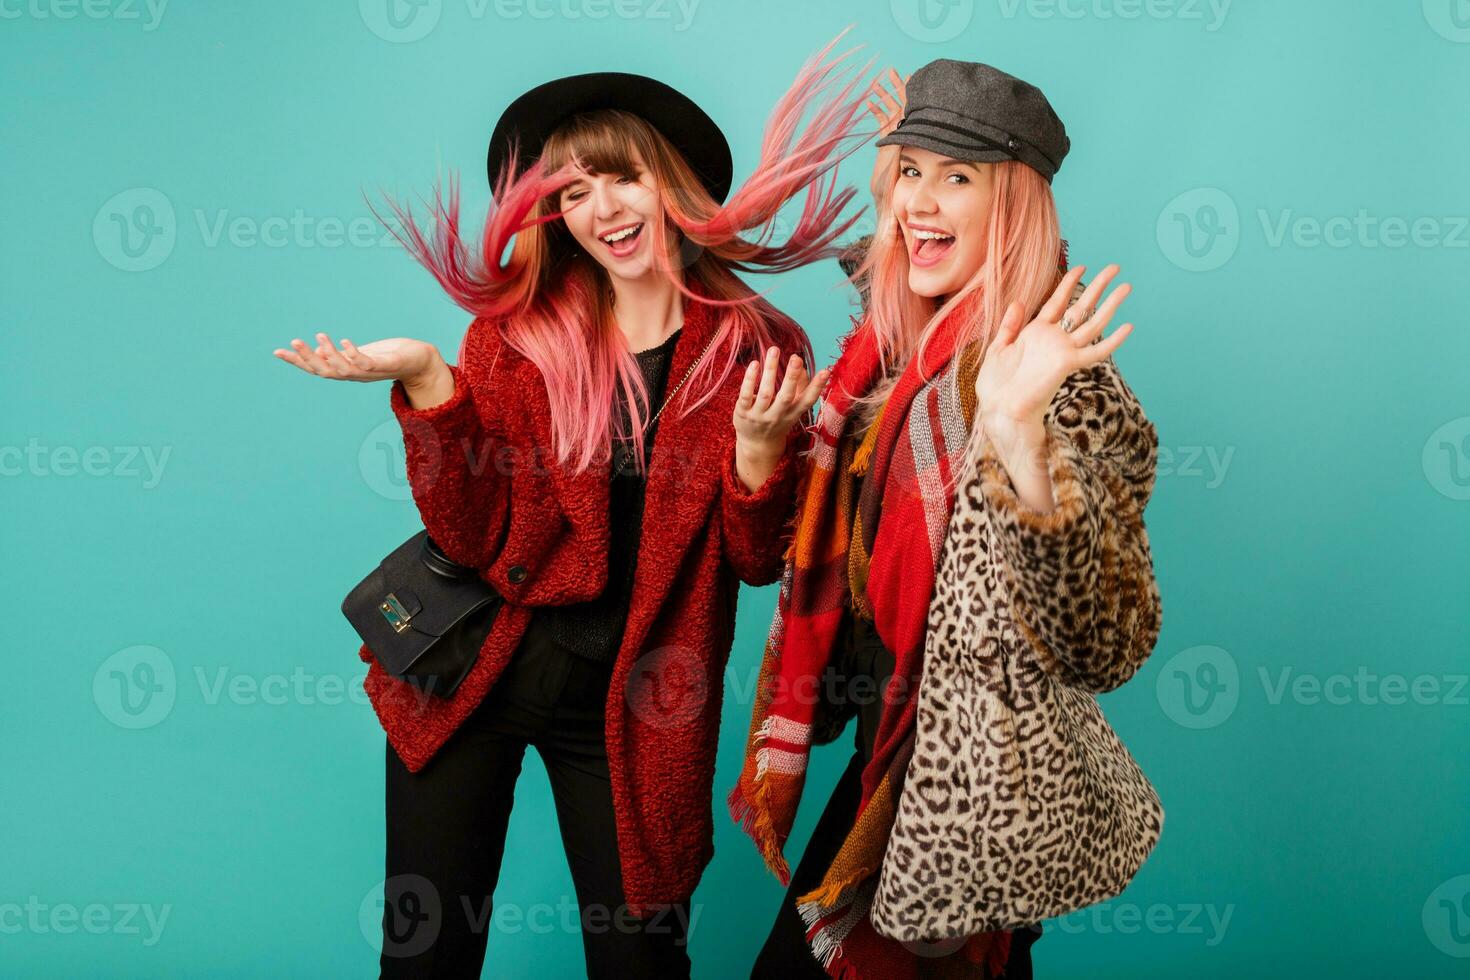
(946, 162)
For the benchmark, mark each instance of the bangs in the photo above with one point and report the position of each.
(602, 142)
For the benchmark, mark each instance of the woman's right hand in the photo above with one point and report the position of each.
(887, 109)
(413, 362)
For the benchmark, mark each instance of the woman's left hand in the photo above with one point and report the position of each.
(1024, 367)
(887, 109)
(765, 414)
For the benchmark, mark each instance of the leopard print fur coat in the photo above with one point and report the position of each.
(1021, 803)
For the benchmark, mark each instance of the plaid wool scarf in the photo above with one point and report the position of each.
(842, 554)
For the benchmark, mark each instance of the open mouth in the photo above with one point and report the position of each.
(623, 241)
(929, 246)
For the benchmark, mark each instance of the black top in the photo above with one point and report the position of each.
(869, 659)
(592, 630)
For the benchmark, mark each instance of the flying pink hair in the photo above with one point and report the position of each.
(551, 302)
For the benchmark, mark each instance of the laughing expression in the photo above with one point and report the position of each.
(607, 214)
(943, 207)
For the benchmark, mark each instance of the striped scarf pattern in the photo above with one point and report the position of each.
(842, 553)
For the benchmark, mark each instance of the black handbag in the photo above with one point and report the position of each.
(423, 616)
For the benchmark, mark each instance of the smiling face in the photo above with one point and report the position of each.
(608, 215)
(943, 209)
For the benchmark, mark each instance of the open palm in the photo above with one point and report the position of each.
(381, 360)
(1024, 367)
(765, 413)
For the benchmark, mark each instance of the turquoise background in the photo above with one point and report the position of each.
(1325, 544)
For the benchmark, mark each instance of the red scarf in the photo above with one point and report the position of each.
(880, 555)
(901, 522)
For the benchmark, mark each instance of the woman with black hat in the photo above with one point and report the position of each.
(970, 569)
(614, 450)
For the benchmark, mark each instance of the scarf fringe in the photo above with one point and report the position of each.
(754, 818)
(829, 895)
(825, 932)
(863, 457)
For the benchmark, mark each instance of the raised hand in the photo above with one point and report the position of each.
(1024, 367)
(887, 108)
(764, 414)
(382, 360)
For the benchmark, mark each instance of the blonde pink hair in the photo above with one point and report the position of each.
(553, 303)
(1024, 257)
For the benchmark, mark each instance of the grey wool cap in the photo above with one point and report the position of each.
(971, 111)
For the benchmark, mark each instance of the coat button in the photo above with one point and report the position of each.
(1013, 143)
(516, 574)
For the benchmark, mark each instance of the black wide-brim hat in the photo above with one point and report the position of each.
(533, 117)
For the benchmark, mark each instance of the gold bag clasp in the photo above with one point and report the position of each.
(394, 613)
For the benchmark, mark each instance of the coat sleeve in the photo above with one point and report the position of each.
(1081, 580)
(453, 454)
(754, 525)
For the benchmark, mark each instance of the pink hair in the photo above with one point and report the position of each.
(1024, 257)
(553, 304)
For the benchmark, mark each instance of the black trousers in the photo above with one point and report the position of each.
(786, 955)
(446, 829)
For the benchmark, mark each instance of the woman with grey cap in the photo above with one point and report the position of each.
(970, 569)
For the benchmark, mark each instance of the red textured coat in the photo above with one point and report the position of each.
(492, 496)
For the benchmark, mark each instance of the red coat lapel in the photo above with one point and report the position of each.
(683, 477)
(684, 474)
